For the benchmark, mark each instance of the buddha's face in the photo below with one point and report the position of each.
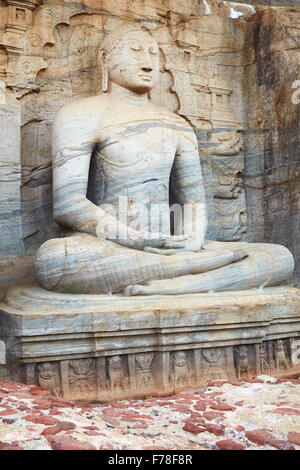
(133, 62)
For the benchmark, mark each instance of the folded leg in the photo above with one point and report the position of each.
(266, 265)
(86, 264)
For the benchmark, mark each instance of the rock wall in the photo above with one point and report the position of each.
(223, 67)
(271, 134)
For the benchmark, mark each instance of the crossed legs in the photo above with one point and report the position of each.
(84, 264)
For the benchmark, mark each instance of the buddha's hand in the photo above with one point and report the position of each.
(177, 244)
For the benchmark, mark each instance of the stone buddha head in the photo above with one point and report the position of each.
(130, 59)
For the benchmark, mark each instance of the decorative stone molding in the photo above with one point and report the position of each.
(107, 348)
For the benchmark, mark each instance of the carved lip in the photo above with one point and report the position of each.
(146, 77)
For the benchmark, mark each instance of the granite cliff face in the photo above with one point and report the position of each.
(271, 132)
(229, 69)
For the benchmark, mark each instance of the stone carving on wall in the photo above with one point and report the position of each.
(213, 363)
(181, 369)
(112, 377)
(281, 361)
(227, 167)
(242, 361)
(144, 372)
(274, 355)
(264, 364)
(82, 377)
(295, 351)
(117, 374)
(49, 377)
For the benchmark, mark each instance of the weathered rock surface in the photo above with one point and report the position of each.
(31, 419)
(99, 347)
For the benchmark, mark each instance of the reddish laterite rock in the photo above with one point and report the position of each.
(23, 408)
(8, 412)
(239, 428)
(201, 405)
(294, 437)
(40, 419)
(236, 384)
(285, 411)
(281, 445)
(39, 391)
(223, 407)
(217, 429)
(4, 446)
(228, 444)
(193, 428)
(61, 426)
(140, 426)
(111, 421)
(60, 403)
(213, 395)
(92, 433)
(216, 383)
(211, 415)
(8, 421)
(182, 409)
(259, 436)
(68, 443)
(111, 412)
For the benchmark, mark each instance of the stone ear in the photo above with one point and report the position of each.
(104, 72)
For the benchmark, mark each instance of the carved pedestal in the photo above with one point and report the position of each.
(111, 347)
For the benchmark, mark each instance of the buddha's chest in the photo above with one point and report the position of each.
(137, 148)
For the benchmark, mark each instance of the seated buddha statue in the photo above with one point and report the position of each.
(119, 161)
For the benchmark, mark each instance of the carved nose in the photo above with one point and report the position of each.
(147, 69)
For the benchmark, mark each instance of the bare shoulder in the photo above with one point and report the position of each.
(77, 122)
(180, 122)
(186, 132)
(82, 108)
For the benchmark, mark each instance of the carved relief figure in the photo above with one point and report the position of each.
(242, 363)
(281, 361)
(181, 370)
(225, 144)
(117, 374)
(47, 378)
(211, 358)
(118, 151)
(81, 377)
(264, 365)
(226, 162)
(144, 375)
(295, 351)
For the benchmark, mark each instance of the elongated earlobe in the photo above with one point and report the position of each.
(104, 80)
(104, 73)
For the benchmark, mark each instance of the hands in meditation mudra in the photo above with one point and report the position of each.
(117, 152)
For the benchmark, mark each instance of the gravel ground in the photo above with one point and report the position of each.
(261, 413)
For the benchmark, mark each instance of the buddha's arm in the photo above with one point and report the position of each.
(73, 143)
(187, 186)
